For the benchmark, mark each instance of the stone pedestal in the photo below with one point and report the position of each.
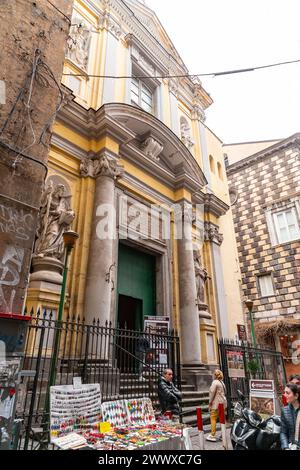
(197, 375)
(203, 311)
(47, 274)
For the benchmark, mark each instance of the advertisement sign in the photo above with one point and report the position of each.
(262, 397)
(235, 362)
(242, 333)
(158, 352)
(157, 324)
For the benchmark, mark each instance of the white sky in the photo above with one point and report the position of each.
(217, 35)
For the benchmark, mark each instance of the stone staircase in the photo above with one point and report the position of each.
(192, 399)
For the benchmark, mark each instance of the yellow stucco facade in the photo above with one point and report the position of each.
(100, 117)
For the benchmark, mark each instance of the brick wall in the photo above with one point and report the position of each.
(29, 30)
(274, 178)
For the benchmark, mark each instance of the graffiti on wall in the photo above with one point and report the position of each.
(17, 232)
(10, 268)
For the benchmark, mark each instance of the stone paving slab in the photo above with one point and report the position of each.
(212, 445)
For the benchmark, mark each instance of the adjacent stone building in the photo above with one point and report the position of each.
(265, 192)
(29, 97)
(138, 145)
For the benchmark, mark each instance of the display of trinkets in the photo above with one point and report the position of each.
(115, 412)
(140, 411)
(133, 437)
(70, 441)
(74, 409)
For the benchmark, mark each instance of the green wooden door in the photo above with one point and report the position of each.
(136, 279)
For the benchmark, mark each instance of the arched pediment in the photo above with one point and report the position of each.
(153, 145)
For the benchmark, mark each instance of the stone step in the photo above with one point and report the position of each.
(191, 410)
(199, 393)
(186, 402)
(191, 420)
(187, 387)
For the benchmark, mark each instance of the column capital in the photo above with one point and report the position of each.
(198, 113)
(212, 233)
(102, 165)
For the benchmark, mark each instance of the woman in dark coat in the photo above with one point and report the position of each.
(289, 416)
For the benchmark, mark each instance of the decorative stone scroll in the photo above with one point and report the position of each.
(102, 166)
(212, 233)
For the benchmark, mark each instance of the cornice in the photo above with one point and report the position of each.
(259, 156)
(106, 121)
(214, 205)
(159, 129)
(133, 41)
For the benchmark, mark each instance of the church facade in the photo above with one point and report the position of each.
(141, 178)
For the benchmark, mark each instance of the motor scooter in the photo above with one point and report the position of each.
(251, 432)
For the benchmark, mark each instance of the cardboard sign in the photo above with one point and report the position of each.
(105, 427)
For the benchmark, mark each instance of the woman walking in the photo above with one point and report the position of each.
(217, 396)
(290, 418)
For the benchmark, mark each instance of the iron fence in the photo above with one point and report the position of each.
(242, 362)
(126, 363)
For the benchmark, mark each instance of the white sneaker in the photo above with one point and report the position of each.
(211, 438)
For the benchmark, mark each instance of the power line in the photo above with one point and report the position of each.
(61, 12)
(213, 74)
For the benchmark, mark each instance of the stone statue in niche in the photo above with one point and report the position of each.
(185, 132)
(201, 275)
(55, 218)
(78, 44)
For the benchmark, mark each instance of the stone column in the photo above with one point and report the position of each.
(101, 265)
(189, 316)
(212, 235)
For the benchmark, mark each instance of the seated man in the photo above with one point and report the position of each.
(169, 396)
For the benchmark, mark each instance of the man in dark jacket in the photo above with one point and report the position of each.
(169, 396)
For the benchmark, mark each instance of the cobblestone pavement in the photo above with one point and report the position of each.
(212, 445)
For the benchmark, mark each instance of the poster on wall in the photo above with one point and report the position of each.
(262, 397)
(158, 326)
(9, 369)
(242, 333)
(235, 362)
(74, 409)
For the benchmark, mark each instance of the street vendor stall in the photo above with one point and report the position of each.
(79, 421)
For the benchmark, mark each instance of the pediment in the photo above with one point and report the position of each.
(151, 22)
(155, 147)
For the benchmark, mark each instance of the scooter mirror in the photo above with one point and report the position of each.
(241, 395)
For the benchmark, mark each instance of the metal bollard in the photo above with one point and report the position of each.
(223, 425)
(200, 428)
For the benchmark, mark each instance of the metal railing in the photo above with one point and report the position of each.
(126, 363)
(240, 362)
